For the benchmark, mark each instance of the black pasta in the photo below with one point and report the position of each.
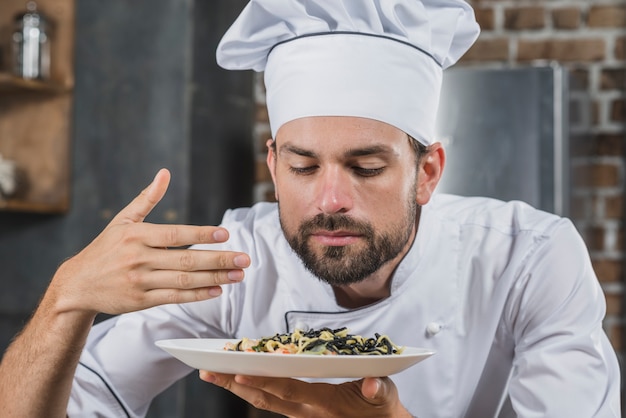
(324, 341)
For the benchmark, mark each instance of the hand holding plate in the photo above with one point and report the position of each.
(369, 397)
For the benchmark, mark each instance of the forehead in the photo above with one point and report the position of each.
(339, 132)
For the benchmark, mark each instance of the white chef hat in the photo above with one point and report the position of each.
(378, 59)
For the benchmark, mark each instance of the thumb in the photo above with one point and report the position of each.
(142, 205)
(374, 388)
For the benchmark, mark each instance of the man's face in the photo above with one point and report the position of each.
(346, 189)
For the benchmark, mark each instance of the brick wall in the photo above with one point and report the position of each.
(588, 37)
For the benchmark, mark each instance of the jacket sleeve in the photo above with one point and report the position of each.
(121, 369)
(564, 364)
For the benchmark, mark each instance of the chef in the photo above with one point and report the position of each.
(505, 295)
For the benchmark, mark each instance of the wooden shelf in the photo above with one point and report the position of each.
(11, 83)
(16, 205)
(36, 115)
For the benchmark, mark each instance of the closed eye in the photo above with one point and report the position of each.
(303, 171)
(368, 172)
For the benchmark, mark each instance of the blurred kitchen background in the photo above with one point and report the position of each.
(134, 87)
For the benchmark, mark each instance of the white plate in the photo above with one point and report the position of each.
(209, 354)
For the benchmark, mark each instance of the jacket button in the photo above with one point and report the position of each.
(433, 328)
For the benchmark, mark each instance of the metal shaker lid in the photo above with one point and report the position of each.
(31, 17)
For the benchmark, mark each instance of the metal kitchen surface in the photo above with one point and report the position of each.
(505, 135)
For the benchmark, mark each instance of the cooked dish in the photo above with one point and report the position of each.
(324, 341)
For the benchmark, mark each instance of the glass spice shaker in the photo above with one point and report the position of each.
(31, 44)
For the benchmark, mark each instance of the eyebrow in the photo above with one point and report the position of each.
(355, 152)
(292, 149)
(372, 150)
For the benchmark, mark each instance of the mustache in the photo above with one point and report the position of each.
(335, 222)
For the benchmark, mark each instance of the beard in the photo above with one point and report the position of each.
(344, 265)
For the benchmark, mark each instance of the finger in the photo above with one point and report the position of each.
(178, 296)
(256, 397)
(198, 260)
(291, 390)
(378, 390)
(170, 279)
(160, 236)
(142, 205)
(370, 387)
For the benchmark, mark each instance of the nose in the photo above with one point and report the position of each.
(335, 191)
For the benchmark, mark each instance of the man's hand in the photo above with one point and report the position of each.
(128, 266)
(369, 397)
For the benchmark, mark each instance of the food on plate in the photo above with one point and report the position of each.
(324, 341)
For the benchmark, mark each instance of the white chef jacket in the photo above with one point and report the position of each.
(505, 295)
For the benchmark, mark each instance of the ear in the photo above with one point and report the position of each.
(271, 164)
(429, 172)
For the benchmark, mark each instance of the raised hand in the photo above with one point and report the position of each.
(129, 267)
